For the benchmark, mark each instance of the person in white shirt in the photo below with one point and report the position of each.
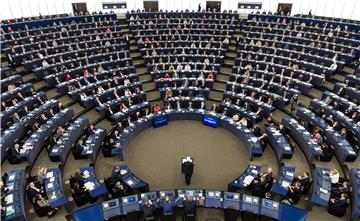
(45, 64)
(187, 67)
(54, 44)
(179, 67)
(334, 176)
(333, 66)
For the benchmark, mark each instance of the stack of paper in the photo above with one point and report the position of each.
(89, 185)
(285, 184)
(130, 182)
(248, 179)
(49, 174)
(9, 210)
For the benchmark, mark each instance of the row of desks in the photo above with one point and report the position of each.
(204, 198)
(343, 150)
(18, 130)
(245, 135)
(49, 22)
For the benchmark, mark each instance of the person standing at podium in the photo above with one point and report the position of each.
(187, 169)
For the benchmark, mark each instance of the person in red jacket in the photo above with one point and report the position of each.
(10, 30)
(86, 73)
(210, 76)
(68, 77)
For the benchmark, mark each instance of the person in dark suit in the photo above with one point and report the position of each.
(337, 190)
(189, 206)
(338, 207)
(258, 187)
(188, 169)
(118, 190)
(78, 148)
(80, 195)
(148, 209)
(268, 174)
(294, 192)
(13, 154)
(305, 182)
(33, 190)
(109, 145)
(168, 206)
(327, 153)
(77, 178)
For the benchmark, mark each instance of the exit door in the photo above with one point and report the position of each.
(213, 5)
(151, 6)
(79, 7)
(284, 9)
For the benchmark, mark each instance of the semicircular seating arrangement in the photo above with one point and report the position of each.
(77, 90)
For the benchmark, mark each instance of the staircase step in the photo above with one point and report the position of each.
(135, 55)
(348, 70)
(216, 95)
(52, 93)
(226, 70)
(209, 103)
(230, 55)
(222, 77)
(328, 86)
(153, 95)
(145, 77)
(339, 77)
(316, 93)
(142, 70)
(28, 77)
(305, 100)
(219, 86)
(148, 86)
(133, 48)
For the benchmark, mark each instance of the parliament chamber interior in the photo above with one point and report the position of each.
(192, 110)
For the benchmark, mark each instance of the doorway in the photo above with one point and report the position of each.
(151, 6)
(284, 9)
(213, 5)
(79, 8)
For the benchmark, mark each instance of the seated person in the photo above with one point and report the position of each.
(338, 206)
(12, 154)
(334, 177)
(42, 204)
(77, 178)
(189, 206)
(327, 153)
(109, 145)
(258, 186)
(148, 209)
(305, 182)
(33, 190)
(168, 206)
(294, 192)
(118, 190)
(337, 190)
(80, 194)
(41, 175)
(268, 174)
(263, 140)
(78, 148)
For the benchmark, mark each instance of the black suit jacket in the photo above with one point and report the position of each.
(148, 211)
(189, 207)
(187, 168)
(78, 149)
